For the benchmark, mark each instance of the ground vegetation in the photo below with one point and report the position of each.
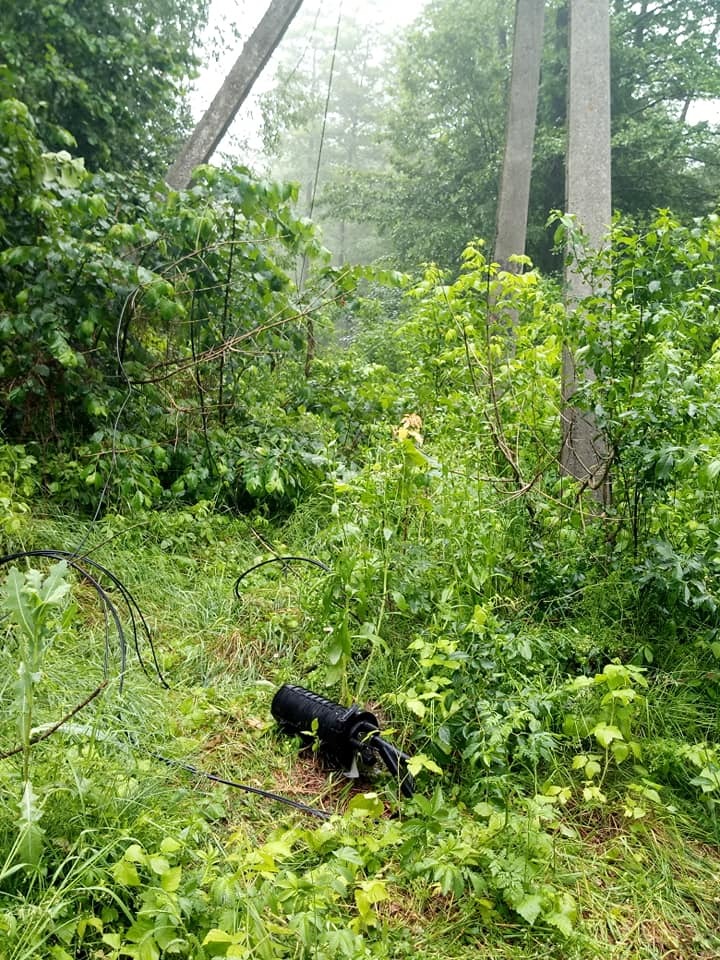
(179, 407)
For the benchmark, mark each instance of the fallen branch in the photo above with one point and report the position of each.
(56, 726)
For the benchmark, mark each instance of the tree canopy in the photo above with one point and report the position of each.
(112, 74)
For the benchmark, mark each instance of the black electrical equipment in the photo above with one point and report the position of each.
(345, 735)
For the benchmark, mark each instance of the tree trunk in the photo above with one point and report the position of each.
(208, 133)
(520, 132)
(585, 453)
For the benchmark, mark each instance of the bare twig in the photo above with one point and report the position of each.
(56, 726)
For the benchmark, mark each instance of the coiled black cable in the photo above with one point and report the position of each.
(137, 619)
(139, 624)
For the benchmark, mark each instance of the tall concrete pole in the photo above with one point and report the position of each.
(585, 453)
(208, 133)
(514, 195)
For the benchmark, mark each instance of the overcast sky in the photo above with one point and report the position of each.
(231, 23)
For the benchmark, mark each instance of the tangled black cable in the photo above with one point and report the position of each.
(266, 794)
(139, 625)
(285, 561)
(137, 620)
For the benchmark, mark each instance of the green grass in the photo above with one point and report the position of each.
(436, 879)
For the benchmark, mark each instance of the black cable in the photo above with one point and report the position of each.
(283, 560)
(108, 606)
(286, 81)
(135, 613)
(393, 758)
(137, 617)
(267, 794)
(316, 178)
(325, 113)
(121, 335)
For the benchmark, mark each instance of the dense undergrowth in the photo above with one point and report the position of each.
(178, 412)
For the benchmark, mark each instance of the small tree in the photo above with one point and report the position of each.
(112, 74)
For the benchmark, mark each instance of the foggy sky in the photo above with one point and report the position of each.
(231, 23)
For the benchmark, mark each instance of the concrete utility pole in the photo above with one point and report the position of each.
(585, 452)
(514, 196)
(208, 133)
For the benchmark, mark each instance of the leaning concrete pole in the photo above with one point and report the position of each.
(208, 133)
(514, 196)
(585, 453)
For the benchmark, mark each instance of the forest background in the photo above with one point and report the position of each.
(196, 381)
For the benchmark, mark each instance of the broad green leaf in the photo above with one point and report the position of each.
(170, 880)
(158, 864)
(30, 832)
(530, 907)
(55, 585)
(125, 873)
(216, 935)
(170, 845)
(135, 854)
(17, 602)
(605, 734)
(416, 706)
(592, 769)
(58, 953)
(421, 762)
(375, 890)
(620, 750)
(564, 916)
(365, 805)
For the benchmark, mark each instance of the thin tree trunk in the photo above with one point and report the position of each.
(208, 133)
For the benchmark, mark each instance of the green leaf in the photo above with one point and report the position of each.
(125, 873)
(592, 769)
(605, 734)
(158, 865)
(17, 603)
(421, 762)
(30, 844)
(170, 880)
(216, 935)
(530, 907)
(135, 854)
(170, 845)
(561, 921)
(375, 890)
(563, 918)
(365, 805)
(148, 949)
(710, 471)
(620, 750)
(57, 953)
(416, 706)
(350, 855)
